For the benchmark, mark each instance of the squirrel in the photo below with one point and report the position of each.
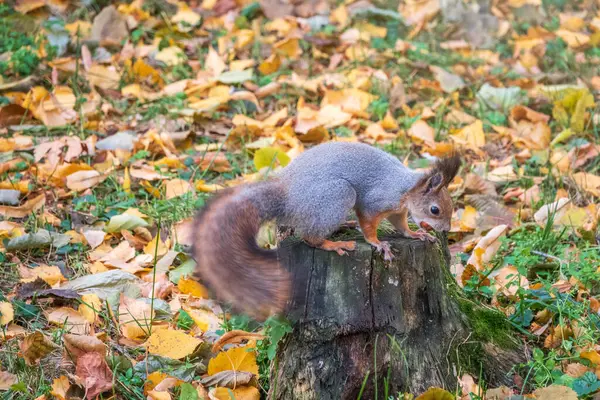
(313, 195)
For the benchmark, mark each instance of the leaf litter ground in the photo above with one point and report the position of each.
(117, 121)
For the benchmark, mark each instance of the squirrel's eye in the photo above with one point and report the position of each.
(435, 210)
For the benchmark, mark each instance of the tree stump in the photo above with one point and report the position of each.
(402, 327)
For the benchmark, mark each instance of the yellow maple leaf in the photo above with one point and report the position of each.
(172, 343)
(240, 393)
(60, 386)
(204, 320)
(192, 287)
(157, 247)
(471, 136)
(236, 359)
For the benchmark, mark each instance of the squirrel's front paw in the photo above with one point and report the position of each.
(384, 248)
(424, 236)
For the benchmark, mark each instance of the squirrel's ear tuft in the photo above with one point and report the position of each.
(447, 167)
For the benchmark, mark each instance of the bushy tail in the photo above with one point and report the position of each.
(228, 259)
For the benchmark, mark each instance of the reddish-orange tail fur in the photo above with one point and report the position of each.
(230, 262)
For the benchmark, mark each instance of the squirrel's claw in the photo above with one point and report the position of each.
(384, 248)
(424, 236)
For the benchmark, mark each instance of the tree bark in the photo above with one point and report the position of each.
(359, 324)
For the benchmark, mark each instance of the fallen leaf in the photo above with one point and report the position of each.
(553, 210)
(588, 182)
(471, 136)
(192, 287)
(448, 81)
(228, 379)
(236, 359)
(235, 337)
(177, 187)
(69, 319)
(135, 317)
(24, 210)
(554, 392)
(124, 222)
(95, 373)
(487, 247)
(436, 394)
(270, 157)
(90, 307)
(7, 380)
(36, 346)
(49, 274)
(172, 343)
(83, 180)
(94, 238)
(78, 345)
(508, 280)
(422, 132)
(60, 387)
(7, 313)
(240, 393)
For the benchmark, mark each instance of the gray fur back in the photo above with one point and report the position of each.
(332, 178)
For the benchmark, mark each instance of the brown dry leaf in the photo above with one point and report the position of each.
(123, 252)
(520, 112)
(78, 345)
(135, 317)
(177, 187)
(36, 346)
(555, 392)
(95, 373)
(469, 387)
(94, 238)
(574, 39)
(556, 210)
(534, 136)
(83, 180)
(146, 173)
(235, 337)
(60, 386)
(214, 63)
(50, 274)
(7, 380)
(421, 131)
(502, 174)
(576, 370)
(12, 331)
(69, 319)
(508, 280)
(172, 343)
(588, 182)
(24, 210)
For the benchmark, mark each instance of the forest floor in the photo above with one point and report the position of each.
(119, 119)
